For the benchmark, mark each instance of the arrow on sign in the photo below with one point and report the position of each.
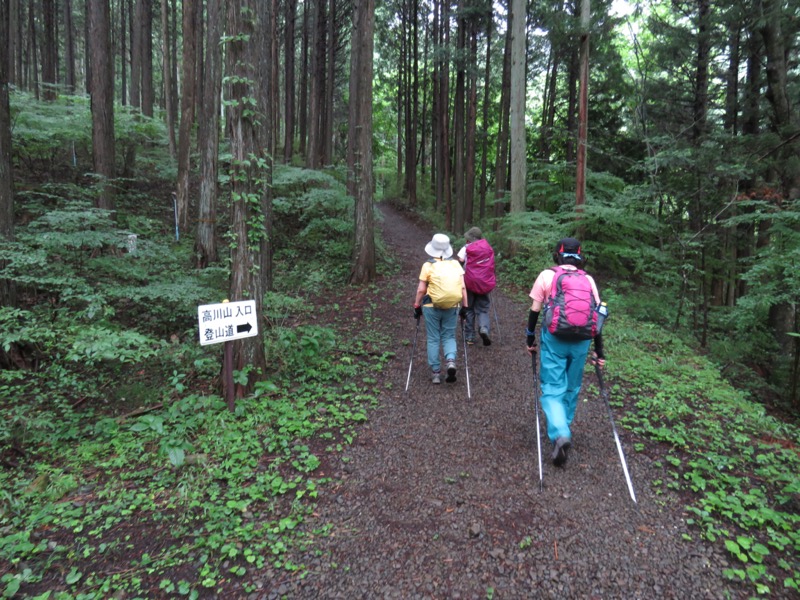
(246, 327)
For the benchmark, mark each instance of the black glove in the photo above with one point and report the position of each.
(417, 312)
(530, 339)
(463, 312)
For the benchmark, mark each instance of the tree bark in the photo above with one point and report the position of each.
(700, 104)
(436, 178)
(102, 101)
(199, 60)
(33, 51)
(302, 116)
(290, 18)
(583, 114)
(487, 74)
(205, 244)
(517, 106)
(781, 315)
(316, 91)
(411, 152)
(241, 62)
(359, 147)
(147, 58)
(459, 111)
(173, 52)
(778, 94)
(7, 291)
(187, 110)
(746, 232)
(471, 123)
(731, 118)
(14, 37)
(501, 164)
(137, 54)
(166, 37)
(424, 128)
(126, 23)
(267, 133)
(49, 51)
(330, 79)
(571, 127)
(443, 105)
(401, 112)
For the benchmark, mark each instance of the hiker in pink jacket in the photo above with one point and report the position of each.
(477, 256)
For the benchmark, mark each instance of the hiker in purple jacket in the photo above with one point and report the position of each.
(477, 256)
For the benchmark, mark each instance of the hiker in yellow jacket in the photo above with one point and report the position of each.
(441, 288)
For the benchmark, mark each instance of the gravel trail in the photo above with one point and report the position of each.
(439, 496)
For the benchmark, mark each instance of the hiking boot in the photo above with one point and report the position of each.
(451, 371)
(485, 336)
(560, 450)
(437, 377)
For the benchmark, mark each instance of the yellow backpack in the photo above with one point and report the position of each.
(444, 285)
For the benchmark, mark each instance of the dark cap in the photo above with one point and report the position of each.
(568, 246)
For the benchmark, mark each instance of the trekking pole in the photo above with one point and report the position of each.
(466, 364)
(604, 394)
(536, 405)
(496, 323)
(413, 351)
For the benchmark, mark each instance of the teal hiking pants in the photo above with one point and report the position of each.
(561, 375)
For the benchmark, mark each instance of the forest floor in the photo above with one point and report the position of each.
(439, 496)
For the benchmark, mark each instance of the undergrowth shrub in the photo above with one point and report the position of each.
(294, 351)
(77, 256)
(55, 138)
(51, 137)
(524, 245)
(314, 230)
(279, 308)
(551, 187)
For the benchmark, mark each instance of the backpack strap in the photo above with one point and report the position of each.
(558, 273)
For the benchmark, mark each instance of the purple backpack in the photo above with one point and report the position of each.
(479, 268)
(571, 309)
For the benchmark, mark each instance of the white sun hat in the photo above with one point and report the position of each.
(439, 246)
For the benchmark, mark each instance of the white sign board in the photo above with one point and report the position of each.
(227, 321)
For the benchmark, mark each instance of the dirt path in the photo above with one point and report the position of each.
(439, 496)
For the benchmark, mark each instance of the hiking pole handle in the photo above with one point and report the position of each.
(604, 394)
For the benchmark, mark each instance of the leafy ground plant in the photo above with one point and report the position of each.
(736, 466)
(203, 491)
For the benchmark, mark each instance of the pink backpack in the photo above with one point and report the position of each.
(571, 309)
(479, 274)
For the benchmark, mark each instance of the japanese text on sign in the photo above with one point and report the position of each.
(227, 321)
